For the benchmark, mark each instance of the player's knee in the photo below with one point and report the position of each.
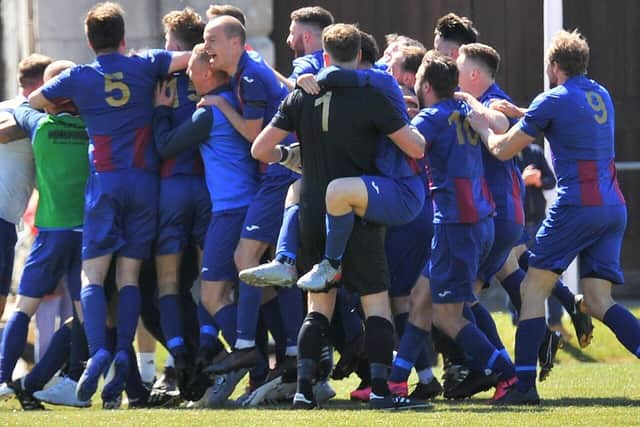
(335, 193)
(597, 302)
(167, 286)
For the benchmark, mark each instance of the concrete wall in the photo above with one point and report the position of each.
(29, 26)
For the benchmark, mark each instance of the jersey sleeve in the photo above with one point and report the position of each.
(171, 142)
(27, 118)
(61, 87)
(300, 66)
(426, 125)
(159, 60)
(385, 116)
(285, 117)
(538, 115)
(254, 97)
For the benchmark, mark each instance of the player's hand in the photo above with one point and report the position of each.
(464, 96)
(413, 106)
(209, 100)
(479, 122)
(507, 108)
(308, 83)
(532, 177)
(291, 158)
(165, 95)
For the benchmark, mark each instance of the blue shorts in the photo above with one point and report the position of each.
(120, 215)
(183, 213)
(457, 250)
(54, 255)
(594, 233)
(393, 202)
(507, 235)
(8, 239)
(264, 216)
(220, 244)
(408, 249)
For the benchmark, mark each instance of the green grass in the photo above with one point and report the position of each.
(582, 390)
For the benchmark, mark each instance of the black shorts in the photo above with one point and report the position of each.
(364, 268)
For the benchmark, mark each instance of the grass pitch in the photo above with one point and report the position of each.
(599, 386)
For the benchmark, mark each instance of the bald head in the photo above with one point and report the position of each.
(56, 68)
(230, 26)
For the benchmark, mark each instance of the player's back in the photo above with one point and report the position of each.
(578, 120)
(114, 95)
(456, 172)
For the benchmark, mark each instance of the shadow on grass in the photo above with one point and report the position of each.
(577, 353)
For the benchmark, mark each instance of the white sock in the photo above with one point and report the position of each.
(169, 362)
(147, 366)
(425, 376)
(242, 344)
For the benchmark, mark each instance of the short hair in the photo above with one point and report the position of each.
(441, 72)
(200, 54)
(485, 55)
(369, 48)
(31, 69)
(186, 25)
(315, 16)
(458, 29)
(226, 10)
(570, 51)
(412, 58)
(232, 27)
(403, 40)
(104, 25)
(342, 42)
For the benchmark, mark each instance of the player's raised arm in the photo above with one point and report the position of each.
(39, 101)
(265, 147)
(179, 61)
(410, 141)
(505, 146)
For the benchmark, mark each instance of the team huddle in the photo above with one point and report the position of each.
(359, 205)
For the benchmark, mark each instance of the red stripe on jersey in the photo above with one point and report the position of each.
(614, 175)
(142, 140)
(486, 192)
(102, 155)
(516, 198)
(167, 167)
(413, 165)
(589, 183)
(464, 198)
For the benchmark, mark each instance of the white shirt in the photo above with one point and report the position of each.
(17, 173)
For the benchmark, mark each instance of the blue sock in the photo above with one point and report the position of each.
(564, 294)
(226, 319)
(287, 246)
(400, 322)
(208, 329)
(338, 232)
(51, 361)
(249, 299)
(511, 285)
(625, 326)
(529, 337)
(94, 308)
(476, 344)
(487, 325)
(171, 322)
(352, 324)
(128, 314)
(270, 315)
(290, 303)
(423, 361)
(14, 339)
(554, 310)
(411, 345)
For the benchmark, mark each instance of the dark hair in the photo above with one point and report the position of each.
(369, 48)
(31, 69)
(342, 42)
(570, 51)
(441, 72)
(412, 58)
(104, 25)
(313, 15)
(457, 29)
(487, 56)
(186, 26)
(226, 10)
